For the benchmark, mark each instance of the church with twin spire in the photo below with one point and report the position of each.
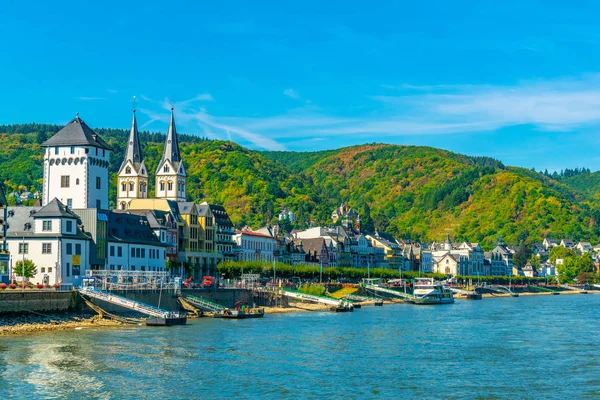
(170, 176)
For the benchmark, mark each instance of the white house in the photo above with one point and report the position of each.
(585, 247)
(53, 239)
(255, 246)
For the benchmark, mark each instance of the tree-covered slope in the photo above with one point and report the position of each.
(414, 192)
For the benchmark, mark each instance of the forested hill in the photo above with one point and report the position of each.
(412, 192)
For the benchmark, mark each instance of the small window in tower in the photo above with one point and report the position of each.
(166, 168)
(127, 170)
(123, 187)
(72, 150)
(98, 186)
(131, 186)
(170, 186)
(77, 181)
(143, 172)
(56, 150)
(65, 181)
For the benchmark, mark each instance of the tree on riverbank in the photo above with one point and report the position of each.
(25, 267)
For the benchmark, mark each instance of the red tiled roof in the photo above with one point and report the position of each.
(255, 234)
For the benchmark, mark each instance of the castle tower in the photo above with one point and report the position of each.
(170, 174)
(132, 182)
(76, 167)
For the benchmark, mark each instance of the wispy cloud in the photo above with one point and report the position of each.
(291, 93)
(84, 98)
(111, 91)
(552, 105)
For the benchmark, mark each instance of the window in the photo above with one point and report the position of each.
(131, 186)
(162, 186)
(138, 253)
(120, 251)
(141, 187)
(112, 251)
(49, 269)
(56, 150)
(143, 253)
(72, 150)
(123, 187)
(70, 204)
(128, 170)
(23, 248)
(103, 153)
(96, 151)
(170, 186)
(46, 226)
(133, 267)
(87, 151)
(98, 204)
(65, 181)
(69, 249)
(166, 168)
(78, 249)
(46, 248)
(43, 269)
(98, 186)
(112, 267)
(77, 181)
(68, 269)
(133, 252)
(69, 226)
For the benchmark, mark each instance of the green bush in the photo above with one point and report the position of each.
(315, 290)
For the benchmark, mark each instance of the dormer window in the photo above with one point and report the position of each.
(127, 170)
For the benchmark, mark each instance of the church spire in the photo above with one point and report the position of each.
(134, 147)
(171, 152)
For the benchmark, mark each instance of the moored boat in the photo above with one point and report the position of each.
(428, 291)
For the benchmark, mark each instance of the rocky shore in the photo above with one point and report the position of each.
(20, 324)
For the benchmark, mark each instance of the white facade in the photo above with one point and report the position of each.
(136, 257)
(131, 184)
(170, 181)
(77, 176)
(255, 246)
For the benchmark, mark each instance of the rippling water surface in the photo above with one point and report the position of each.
(526, 347)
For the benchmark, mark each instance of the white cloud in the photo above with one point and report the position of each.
(291, 93)
(84, 98)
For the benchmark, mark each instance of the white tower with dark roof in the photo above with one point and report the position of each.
(76, 167)
(132, 182)
(170, 174)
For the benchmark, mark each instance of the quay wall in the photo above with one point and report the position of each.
(42, 301)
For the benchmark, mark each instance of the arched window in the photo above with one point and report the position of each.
(447, 270)
(123, 187)
(123, 205)
(131, 186)
(128, 170)
(162, 186)
(77, 181)
(170, 186)
(166, 168)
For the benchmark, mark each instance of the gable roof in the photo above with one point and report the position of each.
(55, 209)
(76, 133)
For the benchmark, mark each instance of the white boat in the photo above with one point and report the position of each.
(428, 291)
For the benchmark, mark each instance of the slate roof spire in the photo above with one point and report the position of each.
(134, 147)
(171, 151)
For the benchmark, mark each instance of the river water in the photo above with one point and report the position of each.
(527, 347)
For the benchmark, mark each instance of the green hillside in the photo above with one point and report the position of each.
(414, 192)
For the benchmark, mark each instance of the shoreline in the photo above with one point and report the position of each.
(25, 324)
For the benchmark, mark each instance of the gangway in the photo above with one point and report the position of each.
(355, 297)
(128, 303)
(203, 304)
(380, 289)
(577, 289)
(501, 289)
(316, 299)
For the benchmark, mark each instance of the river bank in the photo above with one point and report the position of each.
(22, 324)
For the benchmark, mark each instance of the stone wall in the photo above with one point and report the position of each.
(20, 302)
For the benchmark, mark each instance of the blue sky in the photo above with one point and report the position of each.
(515, 80)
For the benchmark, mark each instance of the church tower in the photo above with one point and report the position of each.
(133, 175)
(76, 167)
(170, 174)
